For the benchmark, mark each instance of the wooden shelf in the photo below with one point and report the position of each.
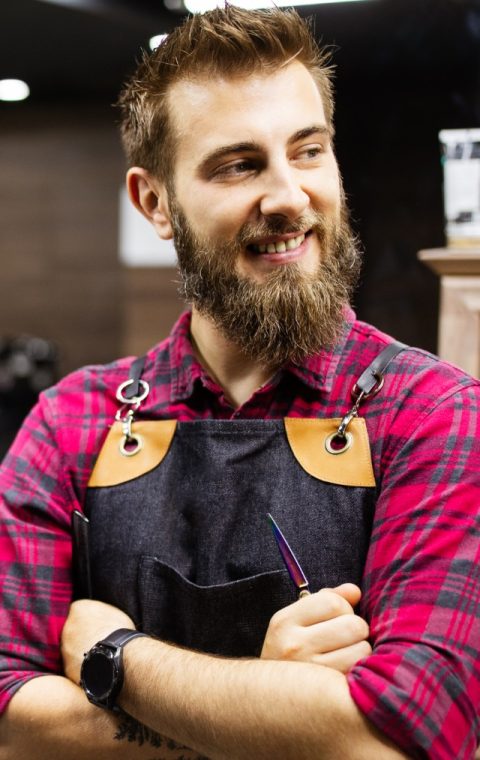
(452, 261)
(459, 319)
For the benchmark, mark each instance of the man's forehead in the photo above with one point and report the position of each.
(196, 90)
(214, 109)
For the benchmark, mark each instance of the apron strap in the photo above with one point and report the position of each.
(133, 389)
(371, 379)
(368, 384)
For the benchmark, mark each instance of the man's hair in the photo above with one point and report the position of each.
(227, 42)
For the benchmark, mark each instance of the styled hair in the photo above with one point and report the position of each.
(227, 42)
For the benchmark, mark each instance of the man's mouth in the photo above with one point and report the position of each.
(279, 246)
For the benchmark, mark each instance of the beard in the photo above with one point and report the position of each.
(290, 314)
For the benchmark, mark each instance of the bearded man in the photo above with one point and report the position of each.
(268, 397)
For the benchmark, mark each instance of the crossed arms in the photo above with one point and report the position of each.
(294, 702)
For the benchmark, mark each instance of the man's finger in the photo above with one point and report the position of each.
(344, 659)
(310, 610)
(350, 592)
(306, 643)
(337, 633)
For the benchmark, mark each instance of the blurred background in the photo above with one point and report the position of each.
(405, 70)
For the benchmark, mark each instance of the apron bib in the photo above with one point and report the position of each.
(179, 536)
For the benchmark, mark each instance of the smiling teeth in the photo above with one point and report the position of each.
(281, 246)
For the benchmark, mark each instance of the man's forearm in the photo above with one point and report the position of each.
(239, 709)
(49, 718)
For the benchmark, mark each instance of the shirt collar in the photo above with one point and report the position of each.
(317, 371)
(185, 368)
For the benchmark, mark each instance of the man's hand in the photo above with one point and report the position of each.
(321, 628)
(88, 621)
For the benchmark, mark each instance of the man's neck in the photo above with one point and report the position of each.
(237, 374)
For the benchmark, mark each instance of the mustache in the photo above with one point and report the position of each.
(278, 225)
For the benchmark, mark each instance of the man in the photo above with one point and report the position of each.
(246, 409)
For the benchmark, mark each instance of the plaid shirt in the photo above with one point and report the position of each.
(421, 586)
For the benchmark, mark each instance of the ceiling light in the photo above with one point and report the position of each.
(13, 89)
(157, 40)
(200, 6)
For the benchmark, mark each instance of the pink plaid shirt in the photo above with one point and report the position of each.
(421, 584)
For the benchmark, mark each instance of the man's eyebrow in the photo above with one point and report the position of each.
(227, 150)
(315, 129)
(253, 147)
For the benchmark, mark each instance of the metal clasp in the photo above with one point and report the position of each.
(134, 399)
(131, 443)
(341, 440)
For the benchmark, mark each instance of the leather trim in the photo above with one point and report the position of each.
(307, 439)
(113, 468)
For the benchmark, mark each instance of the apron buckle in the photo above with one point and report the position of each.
(131, 393)
(131, 443)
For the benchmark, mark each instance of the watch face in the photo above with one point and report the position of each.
(99, 674)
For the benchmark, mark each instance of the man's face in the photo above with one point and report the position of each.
(257, 211)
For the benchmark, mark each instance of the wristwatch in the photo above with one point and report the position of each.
(101, 675)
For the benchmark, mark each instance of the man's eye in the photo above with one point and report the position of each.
(312, 151)
(234, 169)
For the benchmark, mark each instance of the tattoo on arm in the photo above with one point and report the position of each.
(133, 731)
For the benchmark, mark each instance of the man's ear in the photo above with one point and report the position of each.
(149, 196)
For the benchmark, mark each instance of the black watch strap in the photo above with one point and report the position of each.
(120, 637)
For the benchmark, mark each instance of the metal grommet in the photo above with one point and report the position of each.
(135, 399)
(342, 443)
(134, 443)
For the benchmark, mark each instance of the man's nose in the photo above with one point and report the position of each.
(283, 194)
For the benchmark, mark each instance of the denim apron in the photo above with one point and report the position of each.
(178, 529)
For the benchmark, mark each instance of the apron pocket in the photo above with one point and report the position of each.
(229, 619)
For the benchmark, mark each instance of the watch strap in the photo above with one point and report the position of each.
(120, 637)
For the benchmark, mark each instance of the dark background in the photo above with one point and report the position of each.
(405, 70)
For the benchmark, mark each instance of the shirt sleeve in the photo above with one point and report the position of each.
(35, 554)
(421, 589)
